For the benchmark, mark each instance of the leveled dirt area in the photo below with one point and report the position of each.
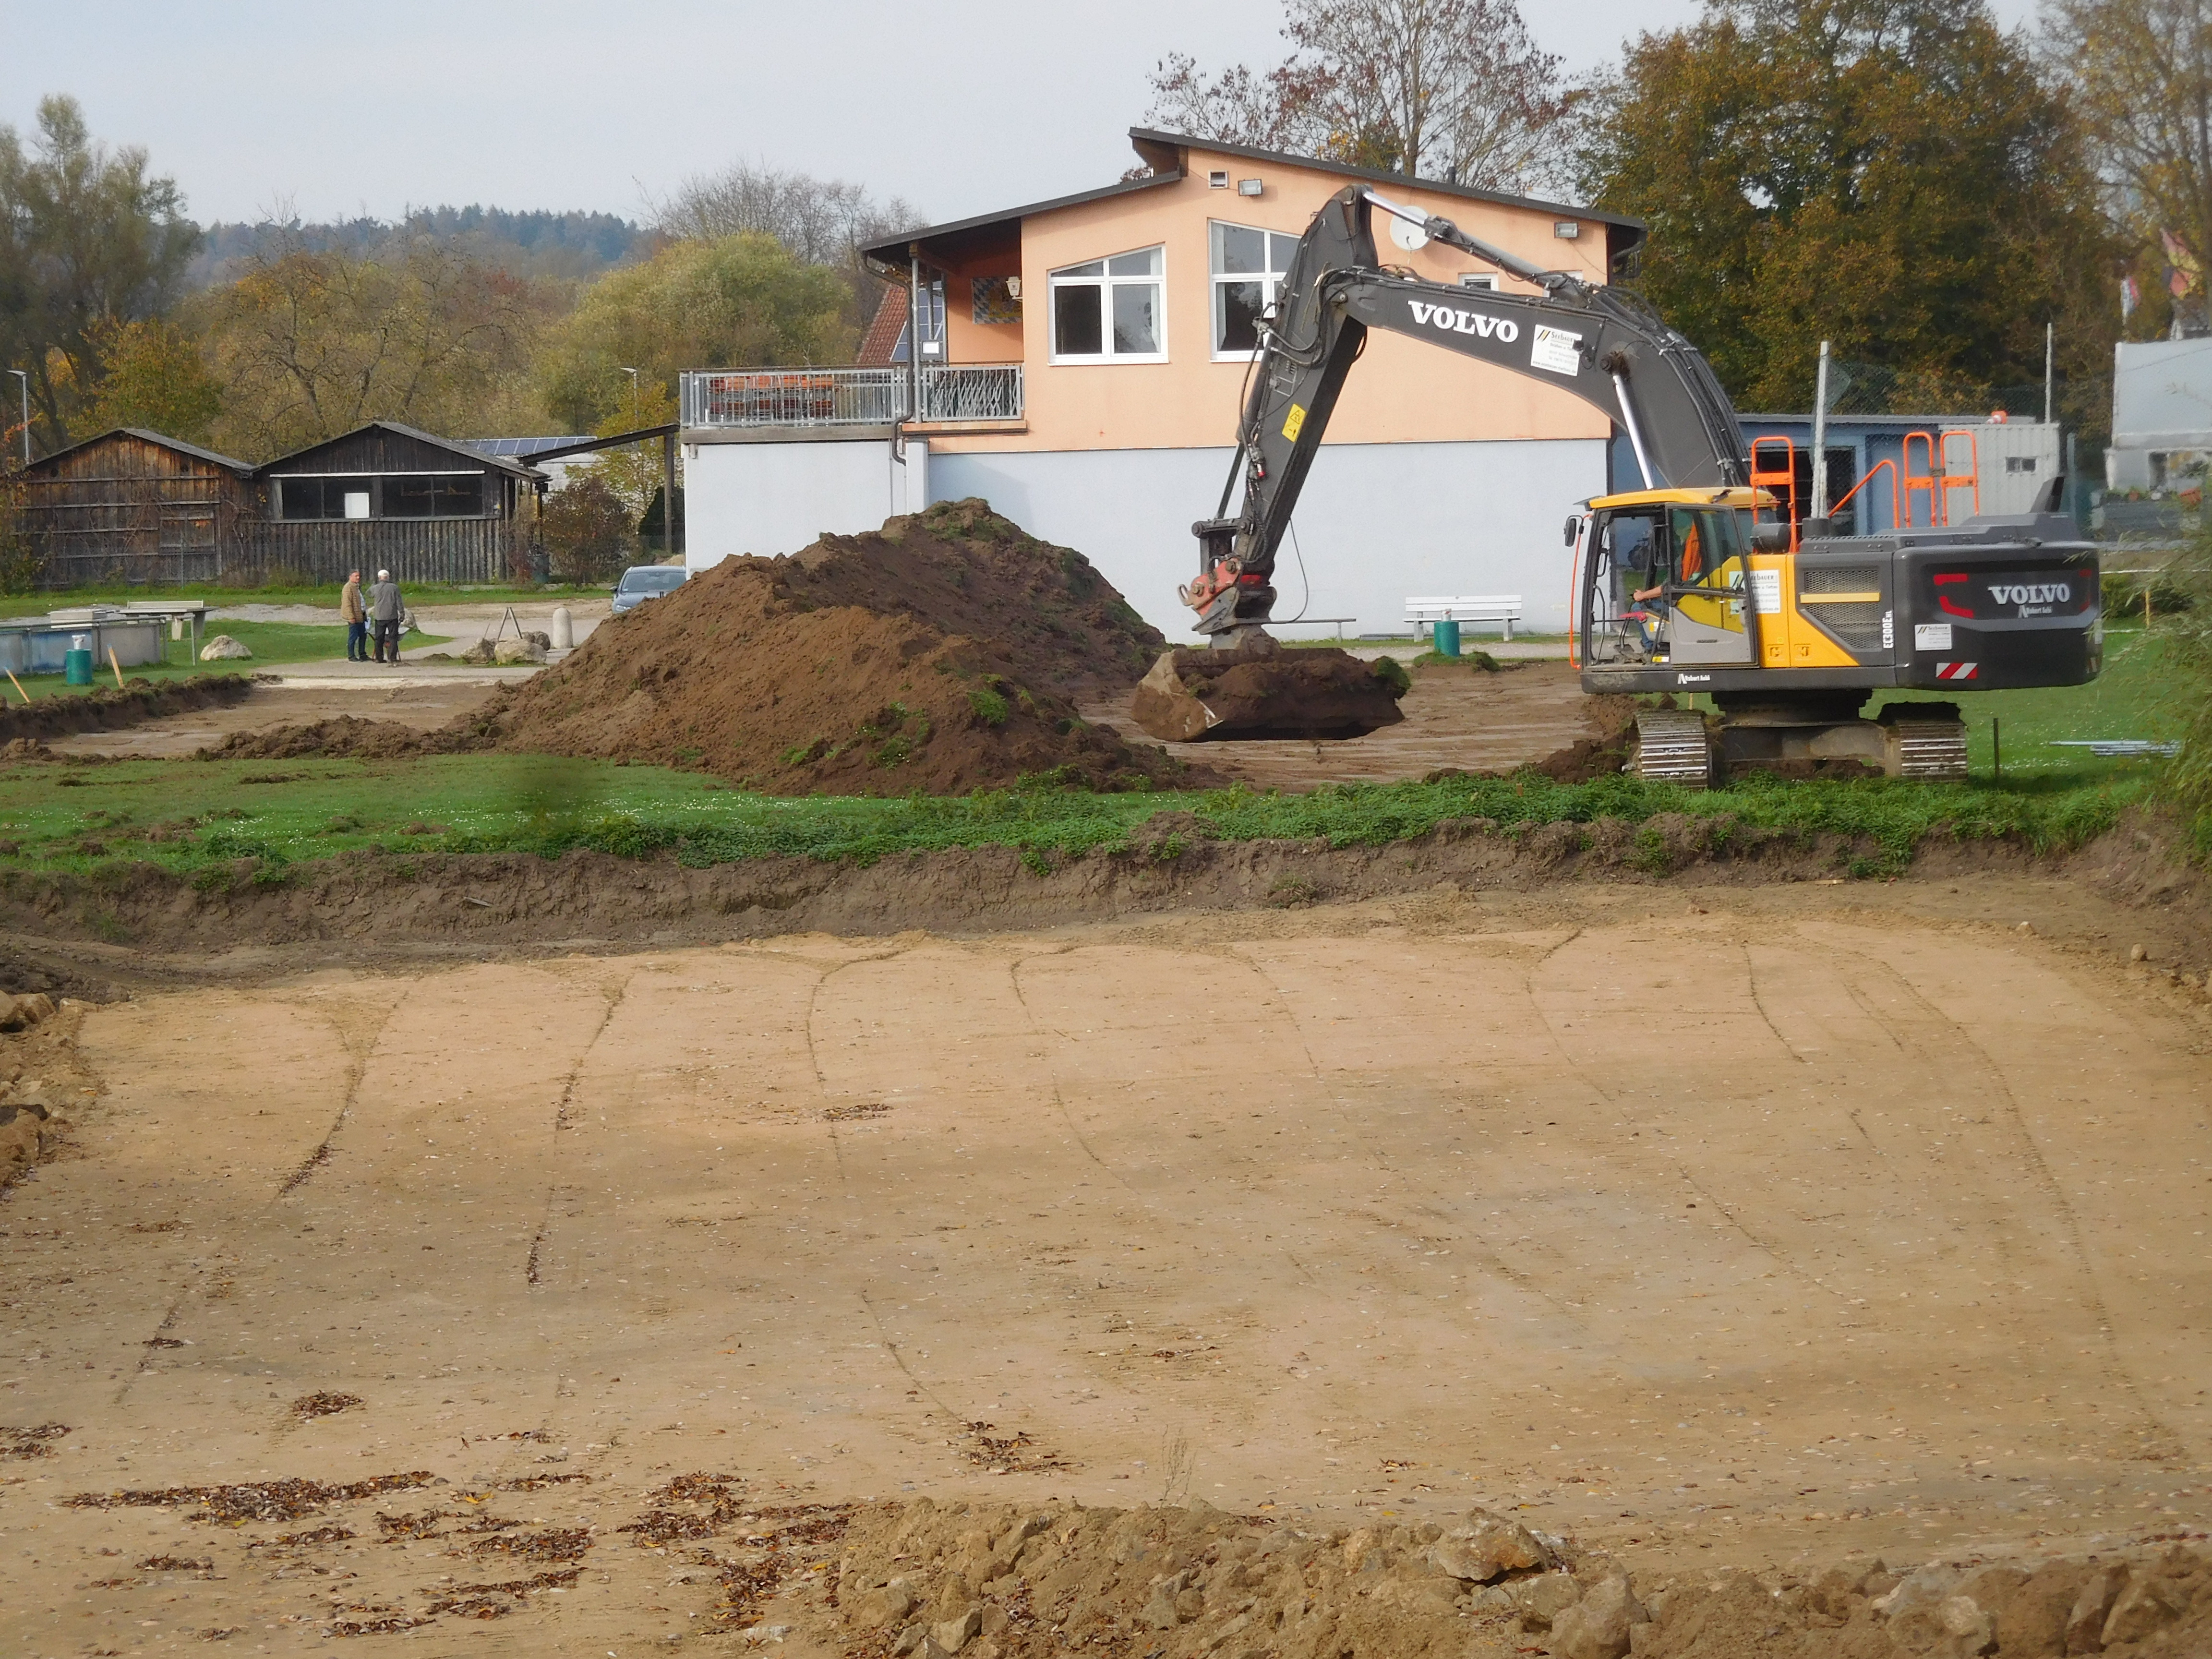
(415, 706)
(1455, 718)
(585, 1301)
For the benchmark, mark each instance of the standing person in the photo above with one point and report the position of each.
(384, 610)
(356, 619)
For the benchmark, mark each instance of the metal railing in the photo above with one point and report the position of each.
(979, 392)
(849, 397)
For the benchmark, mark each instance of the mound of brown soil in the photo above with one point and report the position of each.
(348, 735)
(940, 654)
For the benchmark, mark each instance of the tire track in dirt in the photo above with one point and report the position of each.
(359, 1041)
(2115, 1367)
(562, 1119)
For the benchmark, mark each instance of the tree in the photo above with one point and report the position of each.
(822, 222)
(741, 301)
(309, 345)
(1892, 175)
(87, 238)
(2141, 75)
(589, 531)
(152, 375)
(1450, 89)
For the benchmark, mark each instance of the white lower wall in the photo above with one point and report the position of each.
(772, 498)
(1376, 524)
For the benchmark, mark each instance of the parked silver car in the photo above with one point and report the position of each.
(642, 582)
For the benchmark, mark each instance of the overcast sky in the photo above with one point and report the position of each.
(959, 106)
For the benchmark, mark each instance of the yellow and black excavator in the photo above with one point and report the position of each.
(1677, 587)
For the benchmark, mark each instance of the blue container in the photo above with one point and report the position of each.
(1446, 637)
(76, 666)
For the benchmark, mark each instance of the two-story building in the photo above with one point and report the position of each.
(1081, 363)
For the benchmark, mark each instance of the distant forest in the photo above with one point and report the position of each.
(549, 246)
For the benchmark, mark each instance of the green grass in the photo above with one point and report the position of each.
(418, 594)
(206, 815)
(271, 643)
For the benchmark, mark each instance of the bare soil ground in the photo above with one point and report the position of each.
(1454, 718)
(594, 1300)
(416, 705)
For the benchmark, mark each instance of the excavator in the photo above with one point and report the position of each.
(1702, 580)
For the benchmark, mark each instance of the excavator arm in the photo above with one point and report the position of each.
(1602, 345)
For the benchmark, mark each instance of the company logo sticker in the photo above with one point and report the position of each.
(1557, 350)
(1448, 321)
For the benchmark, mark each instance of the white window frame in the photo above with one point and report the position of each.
(1480, 281)
(1271, 281)
(1106, 282)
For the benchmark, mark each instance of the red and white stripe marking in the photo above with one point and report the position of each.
(1956, 671)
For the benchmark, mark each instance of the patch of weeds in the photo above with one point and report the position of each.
(805, 754)
(990, 706)
(1291, 891)
(896, 751)
(1173, 847)
(341, 823)
(1650, 854)
(1392, 673)
(1037, 861)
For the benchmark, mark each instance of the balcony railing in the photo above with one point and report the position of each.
(850, 396)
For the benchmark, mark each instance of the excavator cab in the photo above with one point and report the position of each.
(1670, 572)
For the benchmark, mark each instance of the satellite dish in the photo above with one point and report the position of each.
(1408, 236)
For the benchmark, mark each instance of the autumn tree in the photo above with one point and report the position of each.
(742, 300)
(152, 374)
(1897, 176)
(308, 345)
(2141, 71)
(1450, 89)
(822, 222)
(88, 238)
(589, 531)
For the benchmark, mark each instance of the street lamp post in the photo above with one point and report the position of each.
(633, 398)
(26, 379)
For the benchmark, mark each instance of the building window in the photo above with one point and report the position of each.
(1482, 279)
(1249, 267)
(1110, 310)
(391, 495)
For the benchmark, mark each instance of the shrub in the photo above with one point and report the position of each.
(587, 531)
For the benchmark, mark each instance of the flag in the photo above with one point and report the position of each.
(2182, 276)
(2130, 297)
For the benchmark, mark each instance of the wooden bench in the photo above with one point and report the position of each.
(1502, 608)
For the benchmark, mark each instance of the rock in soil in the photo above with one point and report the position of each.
(1261, 691)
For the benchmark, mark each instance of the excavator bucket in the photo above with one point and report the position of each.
(1261, 691)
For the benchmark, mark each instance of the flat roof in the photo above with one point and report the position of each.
(1147, 142)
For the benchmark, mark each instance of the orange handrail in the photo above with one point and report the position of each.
(1971, 479)
(1895, 496)
(1926, 480)
(1781, 482)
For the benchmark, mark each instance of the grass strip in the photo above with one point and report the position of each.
(190, 816)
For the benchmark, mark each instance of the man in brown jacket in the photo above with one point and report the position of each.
(356, 619)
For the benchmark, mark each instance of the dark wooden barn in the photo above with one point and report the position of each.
(388, 497)
(135, 508)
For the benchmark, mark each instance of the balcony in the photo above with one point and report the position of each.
(951, 393)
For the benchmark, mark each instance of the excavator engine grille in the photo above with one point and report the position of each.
(1840, 579)
(1858, 626)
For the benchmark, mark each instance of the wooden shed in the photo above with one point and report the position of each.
(386, 496)
(135, 508)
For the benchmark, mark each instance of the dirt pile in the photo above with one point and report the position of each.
(1261, 691)
(941, 653)
(994, 1582)
(40, 1076)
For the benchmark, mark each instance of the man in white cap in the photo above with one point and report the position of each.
(384, 610)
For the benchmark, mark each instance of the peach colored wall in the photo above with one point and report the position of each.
(969, 342)
(1402, 392)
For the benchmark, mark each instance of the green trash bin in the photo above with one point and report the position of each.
(1446, 637)
(77, 661)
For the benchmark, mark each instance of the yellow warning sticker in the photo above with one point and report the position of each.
(1298, 420)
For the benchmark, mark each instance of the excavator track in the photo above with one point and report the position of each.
(1932, 750)
(1673, 746)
